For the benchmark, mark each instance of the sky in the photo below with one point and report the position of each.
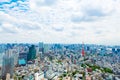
(60, 21)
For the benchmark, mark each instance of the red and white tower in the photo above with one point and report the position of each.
(83, 52)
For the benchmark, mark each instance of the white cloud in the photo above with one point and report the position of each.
(65, 21)
(5, 0)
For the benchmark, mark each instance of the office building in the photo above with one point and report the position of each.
(46, 48)
(32, 53)
(8, 64)
(41, 45)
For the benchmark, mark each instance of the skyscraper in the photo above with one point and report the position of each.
(46, 48)
(32, 53)
(8, 64)
(41, 46)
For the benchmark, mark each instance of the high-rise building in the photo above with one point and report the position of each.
(113, 50)
(41, 45)
(8, 64)
(46, 48)
(32, 53)
(88, 48)
(72, 58)
(41, 50)
(22, 58)
(103, 51)
(118, 50)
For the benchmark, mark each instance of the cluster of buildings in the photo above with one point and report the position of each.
(59, 62)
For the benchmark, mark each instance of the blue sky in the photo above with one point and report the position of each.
(62, 21)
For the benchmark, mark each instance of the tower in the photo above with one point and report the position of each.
(83, 52)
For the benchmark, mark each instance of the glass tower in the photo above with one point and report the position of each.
(32, 53)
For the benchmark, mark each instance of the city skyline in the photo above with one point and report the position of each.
(60, 21)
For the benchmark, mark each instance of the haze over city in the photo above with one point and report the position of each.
(60, 21)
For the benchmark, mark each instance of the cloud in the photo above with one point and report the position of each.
(94, 12)
(58, 28)
(17, 24)
(88, 11)
(36, 4)
(14, 5)
(78, 28)
(28, 26)
(78, 19)
(8, 28)
(4, 1)
(49, 2)
(98, 32)
(91, 21)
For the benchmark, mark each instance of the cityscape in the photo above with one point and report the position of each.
(59, 39)
(59, 62)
